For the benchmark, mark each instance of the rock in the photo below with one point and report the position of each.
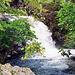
(19, 49)
(7, 69)
(8, 56)
(2, 57)
(8, 17)
(15, 43)
(19, 45)
(72, 58)
(71, 65)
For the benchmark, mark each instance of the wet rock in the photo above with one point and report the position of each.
(7, 69)
(15, 43)
(72, 58)
(8, 56)
(19, 45)
(7, 17)
(71, 64)
(2, 57)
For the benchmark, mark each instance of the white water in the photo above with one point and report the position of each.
(44, 36)
(51, 52)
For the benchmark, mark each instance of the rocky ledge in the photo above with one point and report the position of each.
(7, 69)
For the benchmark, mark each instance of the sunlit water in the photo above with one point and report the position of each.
(54, 63)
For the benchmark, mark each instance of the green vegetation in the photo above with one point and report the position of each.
(32, 49)
(17, 29)
(66, 20)
(4, 8)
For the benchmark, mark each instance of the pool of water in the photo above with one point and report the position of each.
(43, 66)
(54, 64)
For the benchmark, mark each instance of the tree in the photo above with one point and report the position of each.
(66, 19)
(16, 30)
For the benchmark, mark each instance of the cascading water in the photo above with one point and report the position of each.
(54, 63)
(44, 36)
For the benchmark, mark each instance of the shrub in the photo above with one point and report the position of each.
(16, 31)
(32, 49)
(66, 20)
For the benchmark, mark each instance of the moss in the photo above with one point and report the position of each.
(12, 72)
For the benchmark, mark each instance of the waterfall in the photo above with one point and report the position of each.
(54, 63)
(44, 36)
(42, 33)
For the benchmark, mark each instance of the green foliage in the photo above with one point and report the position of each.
(66, 20)
(16, 31)
(32, 49)
(4, 8)
(19, 30)
(36, 6)
(64, 52)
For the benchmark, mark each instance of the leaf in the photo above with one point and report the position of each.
(1, 28)
(44, 56)
(22, 58)
(22, 48)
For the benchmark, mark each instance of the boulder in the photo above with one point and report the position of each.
(7, 69)
(2, 57)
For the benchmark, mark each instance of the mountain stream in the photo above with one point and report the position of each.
(54, 63)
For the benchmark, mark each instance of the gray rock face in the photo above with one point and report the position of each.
(7, 69)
